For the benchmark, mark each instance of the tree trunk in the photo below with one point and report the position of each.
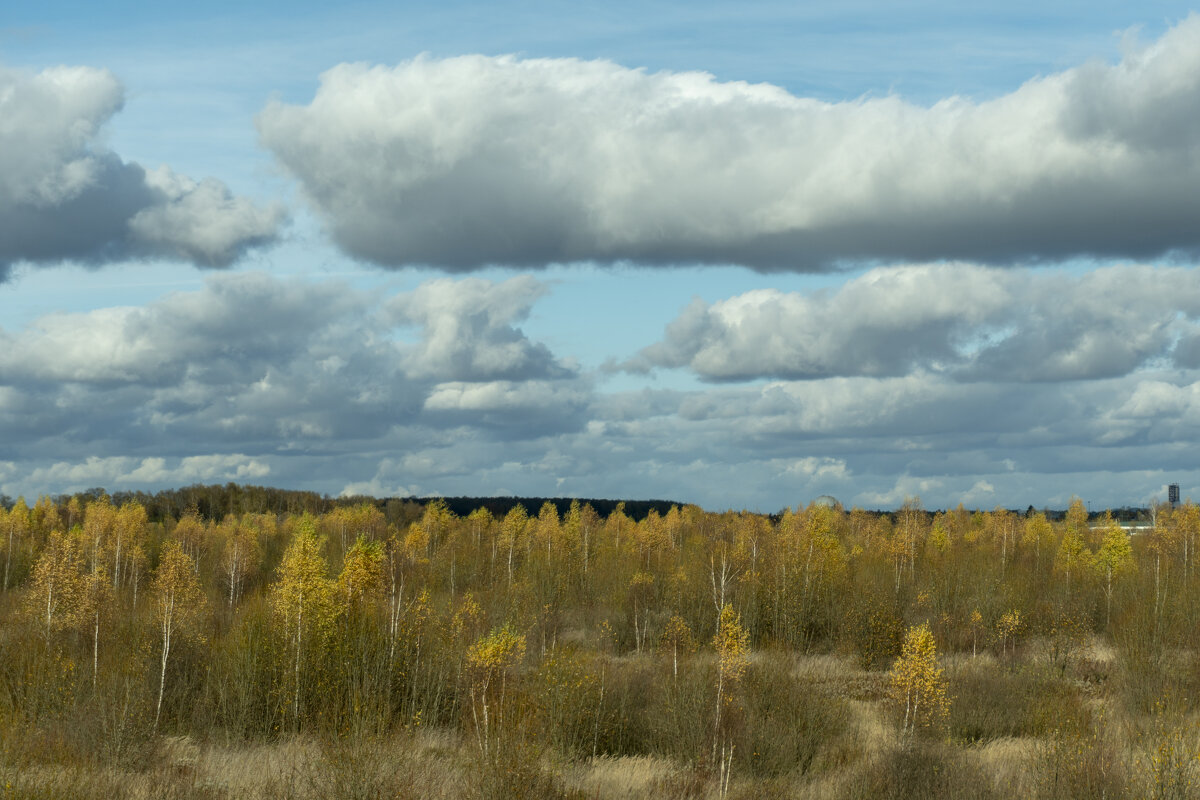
(168, 621)
(95, 649)
(8, 555)
(296, 698)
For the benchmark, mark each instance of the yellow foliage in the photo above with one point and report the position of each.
(677, 635)
(179, 600)
(495, 654)
(302, 596)
(361, 579)
(732, 643)
(917, 684)
(1008, 626)
(467, 617)
(57, 581)
(416, 543)
(1009, 623)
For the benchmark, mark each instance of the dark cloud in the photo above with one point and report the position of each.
(63, 196)
(475, 160)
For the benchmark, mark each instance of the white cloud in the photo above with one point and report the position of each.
(468, 330)
(238, 325)
(529, 409)
(979, 494)
(258, 365)
(253, 379)
(201, 221)
(50, 119)
(63, 195)
(969, 322)
(215, 467)
(906, 487)
(813, 467)
(493, 396)
(123, 472)
(468, 161)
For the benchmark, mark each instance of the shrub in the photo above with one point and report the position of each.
(922, 768)
(1073, 767)
(875, 629)
(789, 724)
(992, 703)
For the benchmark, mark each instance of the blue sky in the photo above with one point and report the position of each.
(737, 255)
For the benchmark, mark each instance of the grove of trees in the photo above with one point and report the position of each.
(414, 651)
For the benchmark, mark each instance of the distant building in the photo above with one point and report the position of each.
(1173, 494)
(827, 501)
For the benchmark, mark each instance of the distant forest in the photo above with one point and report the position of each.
(214, 501)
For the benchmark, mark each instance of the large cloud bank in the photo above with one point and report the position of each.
(951, 389)
(251, 366)
(64, 196)
(475, 160)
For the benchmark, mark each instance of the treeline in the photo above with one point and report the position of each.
(248, 615)
(215, 501)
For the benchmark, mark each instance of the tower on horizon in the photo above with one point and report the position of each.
(1173, 494)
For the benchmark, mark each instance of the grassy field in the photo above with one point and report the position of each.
(1017, 728)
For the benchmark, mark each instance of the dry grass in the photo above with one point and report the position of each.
(425, 765)
(1109, 747)
(1010, 762)
(618, 778)
(873, 730)
(841, 676)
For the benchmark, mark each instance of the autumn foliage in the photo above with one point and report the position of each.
(739, 652)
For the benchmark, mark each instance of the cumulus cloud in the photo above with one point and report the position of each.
(467, 161)
(468, 330)
(232, 331)
(527, 408)
(258, 379)
(813, 467)
(119, 472)
(63, 195)
(267, 366)
(969, 322)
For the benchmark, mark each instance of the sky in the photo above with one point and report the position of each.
(737, 255)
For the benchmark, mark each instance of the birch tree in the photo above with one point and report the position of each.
(129, 531)
(732, 644)
(179, 607)
(57, 581)
(302, 599)
(1113, 560)
(14, 524)
(1073, 554)
(361, 578)
(513, 533)
(491, 661)
(917, 684)
(239, 557)
(93, 610)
